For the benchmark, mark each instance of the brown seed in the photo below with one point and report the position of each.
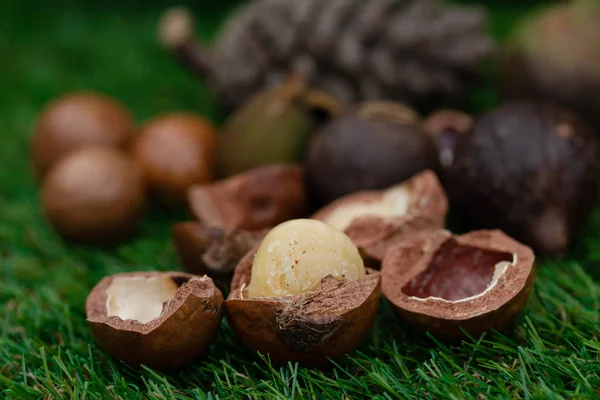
(94, 195)
(440, 283)
(78, 120)
(375, 220)
(309, 319)
(212, 250)
(176, 151)
(371, 147)
(257, 199)
(163, 320)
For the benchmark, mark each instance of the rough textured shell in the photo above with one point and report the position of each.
(183, 331)
(257, 199)
(495, 309)
(328, 323)
(374, 235)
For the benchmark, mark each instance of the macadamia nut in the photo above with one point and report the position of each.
(139, 298)
(392, 203)
(296, 255)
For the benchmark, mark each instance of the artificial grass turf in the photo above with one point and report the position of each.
(46, 350)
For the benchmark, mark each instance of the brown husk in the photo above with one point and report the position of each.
(212, 250)
(183, 331)
(327, 323)
(374, 235)
(257, 199)
(495, 309)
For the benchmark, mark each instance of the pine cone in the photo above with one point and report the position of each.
(412, 51)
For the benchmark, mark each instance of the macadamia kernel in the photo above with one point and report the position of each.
(139, 299)
(393, 203)
(296, 255)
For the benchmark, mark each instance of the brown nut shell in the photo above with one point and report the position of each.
(257, 199)
(212, 250)
(310, 328)
(440, 283)
(78, 120)
(373, 235)
(181, 333)
(95, 195)
(176, 151)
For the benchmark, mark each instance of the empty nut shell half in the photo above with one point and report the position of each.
(212, 250)
(443, 284)
(375, 220)
(162, 320)
(312, 328)
(257, 199)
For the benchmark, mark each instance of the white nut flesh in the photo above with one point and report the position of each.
(295, 256)
(139, 298)
(393, 203)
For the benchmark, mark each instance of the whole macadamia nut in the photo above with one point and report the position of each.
(303, 295)
(78, 120)
(95, 195)
(176, 151)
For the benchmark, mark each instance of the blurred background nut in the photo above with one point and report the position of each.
(95, 195)
(176, 151)
(77, 120)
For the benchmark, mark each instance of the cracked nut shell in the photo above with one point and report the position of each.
(329, 322)
(419, 204)
(372, 147)
(529, 169)
(182, 331)
(440, 283)
(212, 250)
(94, 196)
(78, 120)
(256, 199)
(176, 151)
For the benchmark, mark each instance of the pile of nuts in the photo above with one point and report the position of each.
(315, 212)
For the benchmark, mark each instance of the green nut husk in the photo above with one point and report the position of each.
(273, 127)
(554, 56)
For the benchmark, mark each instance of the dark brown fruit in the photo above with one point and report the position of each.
(373, 147)
(256, 199)
(272, 127)
(78, 120)
(176, 151)
(440, 283)
(531, 170)
(94, 195)
(212, 250)
(376, 220)
(328, 322)
(163, 320)
(554, 56)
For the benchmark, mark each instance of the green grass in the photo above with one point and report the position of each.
(46, 350)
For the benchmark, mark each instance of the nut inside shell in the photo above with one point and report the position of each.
(162, 320)
(374, 220)
(443, 284)
(256, 199)
(310, 328)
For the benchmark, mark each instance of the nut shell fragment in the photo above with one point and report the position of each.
(212, 250)
(310, 328)
(182, 332)
(257, 199)
(426, 209)
(424, 304)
